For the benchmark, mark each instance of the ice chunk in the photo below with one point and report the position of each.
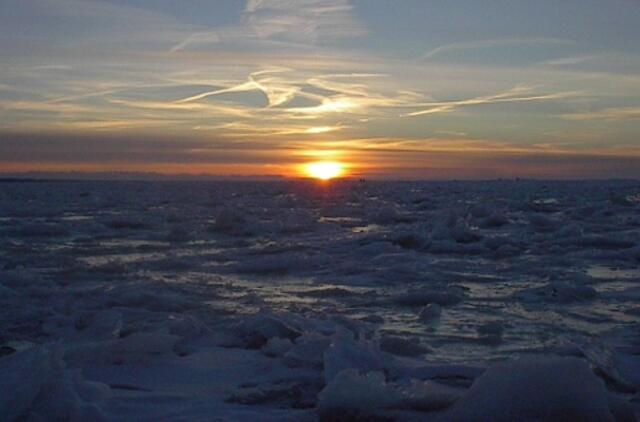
(126, 224)
(480, 211)
(463, 234)
(493, 328)
(277, 263)
(494, 220)
(23, 375)
(388, 215)
(452, 247)
(308, 350)
(430, 312)
(145, 343)
(620, 370)
(506, 251)
(69, 398)
(457, 230)
(137, 348)
(356, 394)
(491, 332)
(230, 221)
(178, 234)
(428, 396)
(444, 297)
(347, 353)
(377, 247)
(570, 230)
(402, 347)
(449, 373)
(42, 230)
(542, 223)
(597, 242)
(409, 241)
(353, 395)
(187, 326)
(550, 389)
(35, 383)
(103, 325)
(328, 292)
(258, 329)
(558, 292)
(277, 346)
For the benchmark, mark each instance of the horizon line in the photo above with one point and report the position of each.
(124, 176)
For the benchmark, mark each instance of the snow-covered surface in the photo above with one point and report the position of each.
(305, 301)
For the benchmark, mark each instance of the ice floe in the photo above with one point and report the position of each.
(276, 301)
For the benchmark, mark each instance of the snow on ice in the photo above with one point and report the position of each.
(291, 300)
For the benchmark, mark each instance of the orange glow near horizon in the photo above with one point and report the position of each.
(324, 170)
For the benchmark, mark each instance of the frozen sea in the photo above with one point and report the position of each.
(298, 300)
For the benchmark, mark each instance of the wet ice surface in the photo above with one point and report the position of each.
(155, 289)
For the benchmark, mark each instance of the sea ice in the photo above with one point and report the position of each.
(290, 300)
(549, 389)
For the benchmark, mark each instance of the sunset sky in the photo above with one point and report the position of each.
(393, 89)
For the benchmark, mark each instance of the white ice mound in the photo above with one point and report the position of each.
(549, 389)
(308, 350)
(355, 393)
(68, 397)
(258, 329)
(187, 326)
(388, 215)
(365, 396)
(277, 347)
(23, 375)
(35, 385)
(347, 353)
(101, 325)
(135, 349)
(455, 229)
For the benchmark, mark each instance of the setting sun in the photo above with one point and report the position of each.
(324, 170)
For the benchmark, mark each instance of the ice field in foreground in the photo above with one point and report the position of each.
(294, 300)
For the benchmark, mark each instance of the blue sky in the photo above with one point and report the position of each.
(409, 89)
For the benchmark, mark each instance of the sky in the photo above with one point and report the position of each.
(412, 89)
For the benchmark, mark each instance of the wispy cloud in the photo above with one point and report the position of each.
(36, 106)
(340, 93)
(208, 37)
(295, 21)
(451, 133)
(514, 95)
(307, 20)
(569, 61)
(277, 90)
(608, 114)
(211, 109)
(240, 129)
(484, 44)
